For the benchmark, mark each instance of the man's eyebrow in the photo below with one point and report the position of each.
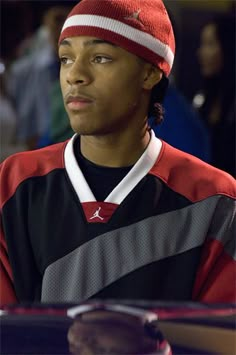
(98, 41)
(91, 42)
(64, 42)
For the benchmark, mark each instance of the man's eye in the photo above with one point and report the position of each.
(65, 60)
(101, 59)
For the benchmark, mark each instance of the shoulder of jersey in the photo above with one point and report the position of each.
(190, 176)
(24, 165)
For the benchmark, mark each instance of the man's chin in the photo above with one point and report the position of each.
(82, 128)
(85, 130)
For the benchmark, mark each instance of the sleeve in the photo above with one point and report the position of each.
(7, 292)
(216, 276)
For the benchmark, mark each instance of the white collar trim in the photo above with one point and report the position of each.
(126, 185)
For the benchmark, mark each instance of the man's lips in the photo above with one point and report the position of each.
(78, 102)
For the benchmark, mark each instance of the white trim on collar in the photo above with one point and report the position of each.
(76, 176)
(127, 184)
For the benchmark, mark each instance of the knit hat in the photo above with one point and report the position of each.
(142, 27)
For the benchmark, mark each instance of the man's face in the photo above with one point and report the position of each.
(102, 85)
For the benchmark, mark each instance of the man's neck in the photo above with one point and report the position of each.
(114, 150)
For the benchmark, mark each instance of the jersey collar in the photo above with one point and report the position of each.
(126, 185)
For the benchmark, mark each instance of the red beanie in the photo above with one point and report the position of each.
(142, 27)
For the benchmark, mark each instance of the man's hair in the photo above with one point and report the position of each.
(156, 110)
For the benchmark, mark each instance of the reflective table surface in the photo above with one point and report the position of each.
(188, 327)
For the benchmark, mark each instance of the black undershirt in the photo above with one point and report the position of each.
(101, 180)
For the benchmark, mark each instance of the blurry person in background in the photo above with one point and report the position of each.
(216, 99)
(37, 71)
(8, 120)
(182, 126)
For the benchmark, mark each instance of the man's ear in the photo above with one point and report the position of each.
(152, 77)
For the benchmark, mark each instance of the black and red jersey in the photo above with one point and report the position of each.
(165, 232)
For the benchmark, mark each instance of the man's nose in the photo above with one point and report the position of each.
(78, 74)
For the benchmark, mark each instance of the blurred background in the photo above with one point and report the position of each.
(200, 104)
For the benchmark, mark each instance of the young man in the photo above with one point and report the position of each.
(115, 212)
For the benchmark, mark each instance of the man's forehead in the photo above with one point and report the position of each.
(84, 41)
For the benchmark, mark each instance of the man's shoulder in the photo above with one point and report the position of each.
(47, 155)
(25, 165)
(192, 177)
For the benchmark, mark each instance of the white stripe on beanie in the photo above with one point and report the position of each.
(131, 33)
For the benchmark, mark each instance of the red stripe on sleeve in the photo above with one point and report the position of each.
(216, 276)
(13, 171)
(22, 166)
(7, 292)
(190, 176)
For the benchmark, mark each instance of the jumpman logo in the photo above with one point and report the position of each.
(134, 15)
(96, 214)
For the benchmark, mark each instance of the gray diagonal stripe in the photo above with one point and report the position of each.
(103, 260)
(223, 227)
